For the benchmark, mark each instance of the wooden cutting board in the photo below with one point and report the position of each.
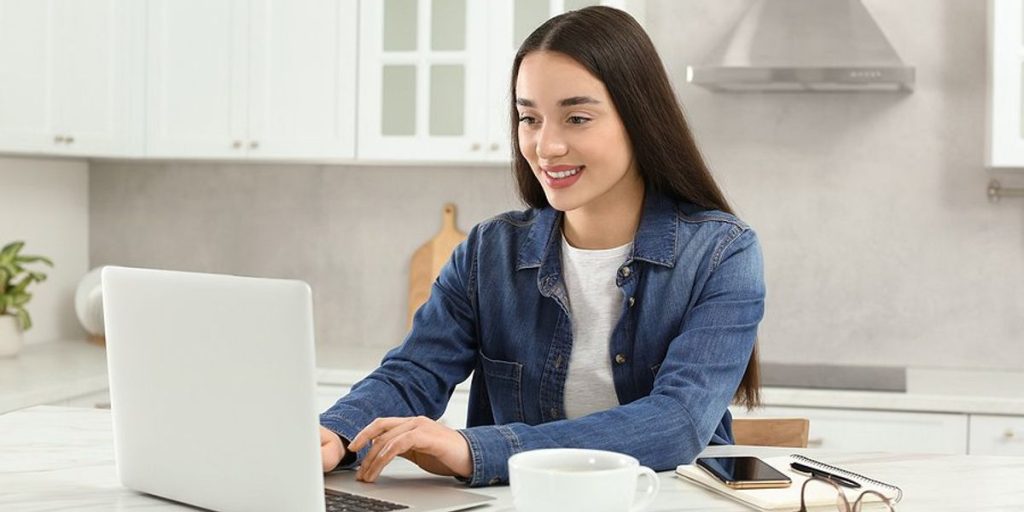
(430, 257)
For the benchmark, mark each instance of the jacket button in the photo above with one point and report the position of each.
(553, 412)
(632, 300)
(625, 271)
(620, 358)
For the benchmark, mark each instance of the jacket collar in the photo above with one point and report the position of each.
(655, 239)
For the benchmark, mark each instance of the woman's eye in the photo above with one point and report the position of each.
(578, 120)
(527, 120)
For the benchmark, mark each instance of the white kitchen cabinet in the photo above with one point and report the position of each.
(1005, 127)
(858, 430)
(434, 75)
(71, 78)
(996, 435)
(302, 81)
(251, 78)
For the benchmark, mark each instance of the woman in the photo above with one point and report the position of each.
(620, 312)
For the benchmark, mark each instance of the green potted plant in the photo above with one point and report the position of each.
(14, 282)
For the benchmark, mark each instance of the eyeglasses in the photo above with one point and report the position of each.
(843, 504)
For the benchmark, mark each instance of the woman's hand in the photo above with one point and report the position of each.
(428, 444)
(331, 449)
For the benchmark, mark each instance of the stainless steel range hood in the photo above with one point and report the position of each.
(804, 45)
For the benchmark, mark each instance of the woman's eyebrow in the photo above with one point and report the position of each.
(577, 100)
(567, 102)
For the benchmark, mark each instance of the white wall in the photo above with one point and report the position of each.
(46, 204)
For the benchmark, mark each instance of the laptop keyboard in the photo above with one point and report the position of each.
(338, 501)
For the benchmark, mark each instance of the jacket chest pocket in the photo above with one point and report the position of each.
(504, 387)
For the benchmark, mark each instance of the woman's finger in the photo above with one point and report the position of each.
(403, 443)
(374, 429)
(330, 449)
(377, 444)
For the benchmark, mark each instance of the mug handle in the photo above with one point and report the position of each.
(652, 489)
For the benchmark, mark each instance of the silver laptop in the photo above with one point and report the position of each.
(212, 397)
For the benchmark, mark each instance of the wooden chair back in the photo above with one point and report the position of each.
(787, 432)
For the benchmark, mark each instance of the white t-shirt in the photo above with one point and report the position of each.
(596, 304)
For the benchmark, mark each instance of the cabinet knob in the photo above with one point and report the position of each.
(58, 139)
(253, 144)
(237, 144)
(495, 146)
(475, 147)
(817, 441)
(69, 139)
(1009, 434)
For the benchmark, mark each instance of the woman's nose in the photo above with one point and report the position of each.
(550, 143)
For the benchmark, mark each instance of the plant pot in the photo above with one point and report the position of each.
(10, 336)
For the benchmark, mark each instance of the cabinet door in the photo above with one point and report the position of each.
(26, 76)
(857, 430)
(1006, 87)
(196, 103)
(98, 80)
(422, 75)
(997, 435)
(302, 78)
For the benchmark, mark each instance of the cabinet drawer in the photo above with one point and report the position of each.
(996, 435)
(857, 430)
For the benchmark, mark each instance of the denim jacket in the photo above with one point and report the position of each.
(692, 297)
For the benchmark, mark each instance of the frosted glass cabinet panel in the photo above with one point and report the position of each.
(398, 100)
(434, 75)
(422, 76)
(1006, 86)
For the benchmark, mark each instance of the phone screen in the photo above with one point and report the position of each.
(744, 472)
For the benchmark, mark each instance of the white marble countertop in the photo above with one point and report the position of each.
(49, 372)
(59, 458)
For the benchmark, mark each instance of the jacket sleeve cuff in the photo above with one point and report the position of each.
(490, 448)
(347, 430)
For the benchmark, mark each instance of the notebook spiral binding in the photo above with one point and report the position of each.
(848, 474)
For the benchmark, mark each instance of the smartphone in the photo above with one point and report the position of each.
(744, 472)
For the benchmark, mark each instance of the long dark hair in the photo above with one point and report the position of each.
(616, 50)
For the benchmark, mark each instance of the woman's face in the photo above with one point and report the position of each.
(571, 134)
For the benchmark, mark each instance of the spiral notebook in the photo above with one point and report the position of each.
(788, 498)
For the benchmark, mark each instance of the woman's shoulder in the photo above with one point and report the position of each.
(515, 222)
(514, 218)
(689, 213)
(712, 234)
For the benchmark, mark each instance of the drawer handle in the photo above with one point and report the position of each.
(1010, 434)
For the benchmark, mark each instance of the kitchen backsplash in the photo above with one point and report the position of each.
(348, 231)
(880, 244)
(46, 204)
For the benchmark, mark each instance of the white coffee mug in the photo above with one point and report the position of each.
(572, 479)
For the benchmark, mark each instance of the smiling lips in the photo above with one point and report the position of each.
(561, 176)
